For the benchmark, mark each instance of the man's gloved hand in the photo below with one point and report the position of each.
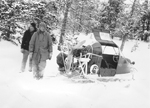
(22, 50)
(50, 55)
(30, 55)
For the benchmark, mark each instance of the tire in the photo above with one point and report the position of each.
(94, 69)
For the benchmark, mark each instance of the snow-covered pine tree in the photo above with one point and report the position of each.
(15, 16)
(8, 19)
(42, 11)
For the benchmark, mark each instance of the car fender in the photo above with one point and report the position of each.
(123, 66)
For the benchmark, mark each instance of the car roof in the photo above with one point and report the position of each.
(108, 43)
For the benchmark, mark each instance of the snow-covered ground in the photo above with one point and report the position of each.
(20, 90)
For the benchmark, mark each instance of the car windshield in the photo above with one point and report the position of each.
(110, 50)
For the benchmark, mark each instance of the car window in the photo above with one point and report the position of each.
(110, 50)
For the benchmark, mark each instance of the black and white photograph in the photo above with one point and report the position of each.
(74, 53)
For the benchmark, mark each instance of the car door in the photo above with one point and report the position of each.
(109, 52)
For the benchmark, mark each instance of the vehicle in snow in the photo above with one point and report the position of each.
(105, 59)
(113, 61)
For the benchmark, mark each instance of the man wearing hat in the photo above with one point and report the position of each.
(25, 46)
(40, 50)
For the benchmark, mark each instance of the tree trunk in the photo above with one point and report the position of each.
(133, 8)
(109, 18)
(126, 35)
(123, 41)
(143, 25)
(80, 26)
(64, 25)
(8, 32)
(148, 23)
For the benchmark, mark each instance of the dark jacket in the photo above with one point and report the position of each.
(26, 39)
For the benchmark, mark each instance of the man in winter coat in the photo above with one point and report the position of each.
(25, 46)
(40, 50)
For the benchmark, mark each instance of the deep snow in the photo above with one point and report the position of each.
(20, 90)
